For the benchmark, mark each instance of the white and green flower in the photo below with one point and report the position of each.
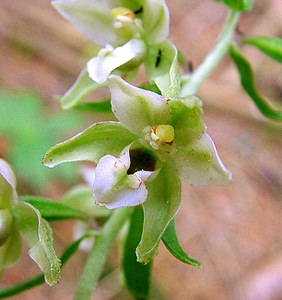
(130, 33)
(141, 158)
(20, 218)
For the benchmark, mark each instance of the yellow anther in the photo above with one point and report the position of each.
(165, 133)
(123, 14)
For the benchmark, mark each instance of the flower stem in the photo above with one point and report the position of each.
(37, 280)
(98, 255)
(213, 58)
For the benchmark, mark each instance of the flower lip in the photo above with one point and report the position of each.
(141, 159)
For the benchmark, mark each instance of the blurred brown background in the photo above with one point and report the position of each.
(234, 231)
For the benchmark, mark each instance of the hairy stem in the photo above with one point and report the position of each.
(98, 255)
(213, 58)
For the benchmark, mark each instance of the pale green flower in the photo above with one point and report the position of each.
(141, 158)
(19, 218)
(130, 32)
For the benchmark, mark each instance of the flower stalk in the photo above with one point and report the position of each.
(194, 82)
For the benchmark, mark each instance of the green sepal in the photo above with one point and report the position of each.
(248, 83)
(11, 250)
(159, 209)
(161, 65)
(172, 244)
(53, 210)
(268, 45)
(187, 119)
(80, 89)
(136, 275)
(91, 144)
(38, 234)
(80, 198)
(238, 5)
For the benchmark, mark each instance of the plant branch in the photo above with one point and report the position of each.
(37, 280)
(193, 83)
(98, 255)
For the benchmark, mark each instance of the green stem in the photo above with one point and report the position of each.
(37, 280)
(213, 58)
(98, 255)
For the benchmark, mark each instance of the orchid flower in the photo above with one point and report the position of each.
(141, 158)
(20, 218)
(130, 33)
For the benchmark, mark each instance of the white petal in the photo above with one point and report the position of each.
(199, 163)
(7, 173)
(108, 59)
(114, 188)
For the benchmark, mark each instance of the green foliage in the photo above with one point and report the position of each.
(30, 130)
(238, 5)
(137, 276)
(268, 45)
(52, 210)
(171, 242)
(248, 83)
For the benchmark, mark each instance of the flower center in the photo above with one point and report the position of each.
(141, 159)
(123, 15)
(165, 133)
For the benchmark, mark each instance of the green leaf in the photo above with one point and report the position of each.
(53, 210)
(238, 5)
(91, 144)
(248, 83)
(161, 65)
(103, 106)
(38, 234)
(159, 209)
(137, 276)
(171, 242)
(81, 88)
(268, 45)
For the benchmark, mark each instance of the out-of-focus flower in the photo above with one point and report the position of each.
(19, 218)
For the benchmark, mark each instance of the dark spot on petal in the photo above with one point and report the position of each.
(141, 159)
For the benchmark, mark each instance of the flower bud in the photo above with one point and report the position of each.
(6, 221)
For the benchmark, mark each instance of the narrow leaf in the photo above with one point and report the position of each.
(137, 276)
(159, 209)
(81, 88)
(103, 106)
(171, 242)
(53, 210)
(269, 45)
(248, 83)
(238, 5)
(38, 234)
